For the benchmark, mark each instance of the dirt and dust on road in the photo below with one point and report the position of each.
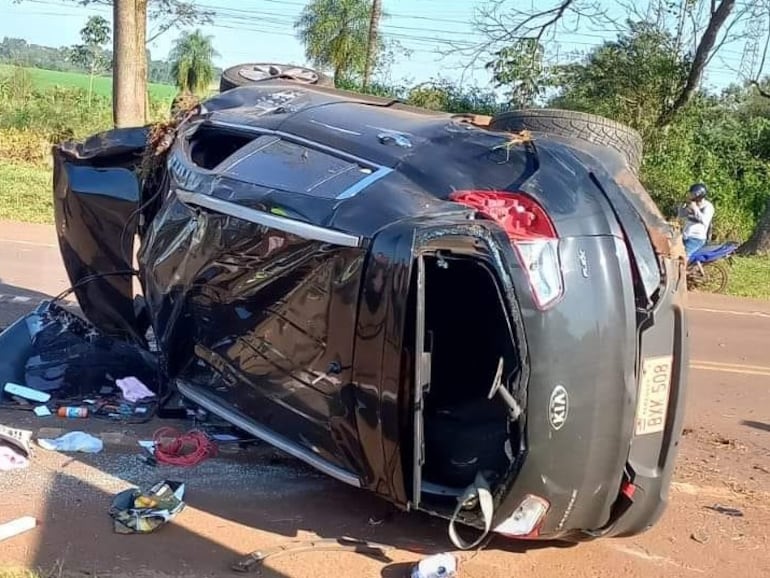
(253, 498)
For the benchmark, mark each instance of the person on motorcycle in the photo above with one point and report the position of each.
(698, 214)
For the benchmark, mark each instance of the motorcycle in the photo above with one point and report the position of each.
(706, 268)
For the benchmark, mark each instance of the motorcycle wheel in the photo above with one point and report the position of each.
(713, 280)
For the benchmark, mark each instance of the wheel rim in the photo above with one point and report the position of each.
(713, 279)
(262, 72)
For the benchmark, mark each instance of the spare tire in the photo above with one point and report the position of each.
(256, 72)
(588, 127)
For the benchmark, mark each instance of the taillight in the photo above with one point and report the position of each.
(525, 522)
(532, 235)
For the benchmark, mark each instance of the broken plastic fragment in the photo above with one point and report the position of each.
(42, 411)
(16, 527)
(27, 392)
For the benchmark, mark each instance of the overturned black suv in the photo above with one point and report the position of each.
(478, 318)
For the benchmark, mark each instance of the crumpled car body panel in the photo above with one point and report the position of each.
(282, 239)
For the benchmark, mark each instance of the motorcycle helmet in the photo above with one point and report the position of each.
(698, 191)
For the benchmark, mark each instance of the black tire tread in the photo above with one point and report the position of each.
(589, 127)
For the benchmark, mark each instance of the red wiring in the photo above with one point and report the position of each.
(182, 449)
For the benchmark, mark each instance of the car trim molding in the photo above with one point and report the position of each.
(291, 226)
(274, 439)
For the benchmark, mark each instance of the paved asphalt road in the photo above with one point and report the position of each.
(725, 461)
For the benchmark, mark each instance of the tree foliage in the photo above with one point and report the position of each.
(335, 35)
(92, 54)
(192, 62)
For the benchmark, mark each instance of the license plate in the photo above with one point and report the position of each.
(653, 395)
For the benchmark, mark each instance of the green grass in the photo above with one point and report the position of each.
(750, 277)
(44, 79)
(25, 193)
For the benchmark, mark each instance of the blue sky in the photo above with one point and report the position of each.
(262, 30)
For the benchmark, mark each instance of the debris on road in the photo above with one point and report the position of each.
(42, 411)
(16, 527)
(137, 511)
(133, 389)
(727, 511)
(15, 448)
(11, 458)
(437, 566)
(75, 441)
(72, 412)
(71, 366)
(182, 449)
(254, 561)
(700, 537)
(14, 389)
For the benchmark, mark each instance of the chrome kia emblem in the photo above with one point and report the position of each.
(558, 407)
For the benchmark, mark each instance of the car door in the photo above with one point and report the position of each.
(243, 278)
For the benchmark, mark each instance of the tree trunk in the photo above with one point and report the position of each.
(371, 45)
(759, 243)
(707, 42)
(129, 83)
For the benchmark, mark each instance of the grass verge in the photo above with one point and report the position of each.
(25, 193)
(44, 79)
(750, 277)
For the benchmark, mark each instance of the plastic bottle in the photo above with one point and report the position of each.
(72, 411)
(438, 566)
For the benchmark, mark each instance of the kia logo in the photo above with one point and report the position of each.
(558, 407)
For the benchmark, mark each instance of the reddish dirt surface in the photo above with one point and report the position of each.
(253, 499)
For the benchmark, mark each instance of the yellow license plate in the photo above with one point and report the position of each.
(653, 395)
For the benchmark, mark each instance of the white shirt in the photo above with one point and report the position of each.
(698, 221)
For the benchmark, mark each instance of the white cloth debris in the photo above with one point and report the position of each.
(133, 389)
(75, 441)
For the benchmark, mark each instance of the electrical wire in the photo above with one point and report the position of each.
(94, 277)
(182, 449)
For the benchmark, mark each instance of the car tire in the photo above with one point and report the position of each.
(588, 127)
(255, 72)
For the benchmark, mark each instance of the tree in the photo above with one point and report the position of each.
(130, 68)
(700, 28)
(521, 71)
(633, 79)
(335, 34)
(759, 242)
(192, 63)
(91, 55)
(373, 41)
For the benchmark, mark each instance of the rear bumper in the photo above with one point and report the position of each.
(652, 458)
(599, 478)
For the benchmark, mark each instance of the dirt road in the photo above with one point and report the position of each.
(253, 499)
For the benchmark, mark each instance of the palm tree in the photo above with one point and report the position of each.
(192, 62)
(335, 35)
(372, 43)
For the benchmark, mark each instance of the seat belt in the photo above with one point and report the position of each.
(480, 492)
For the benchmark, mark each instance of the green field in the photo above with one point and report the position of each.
(102, 84)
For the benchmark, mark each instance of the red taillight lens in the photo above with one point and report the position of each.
(531, 232)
